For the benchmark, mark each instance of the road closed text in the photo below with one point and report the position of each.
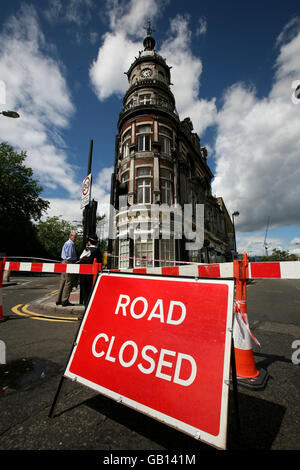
(165, 364)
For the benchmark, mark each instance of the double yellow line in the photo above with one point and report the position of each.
(23, 311)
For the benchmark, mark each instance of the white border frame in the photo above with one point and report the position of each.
(218, 441)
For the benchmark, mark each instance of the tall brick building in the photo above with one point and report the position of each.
(159, 163)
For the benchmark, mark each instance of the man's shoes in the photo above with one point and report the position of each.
(58, 303)
(67, 304)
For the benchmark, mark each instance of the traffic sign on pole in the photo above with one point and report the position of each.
(160, 345)
(86, 191)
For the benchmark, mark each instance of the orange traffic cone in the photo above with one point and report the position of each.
(247, 373)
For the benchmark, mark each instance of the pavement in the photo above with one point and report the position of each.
(48, 304)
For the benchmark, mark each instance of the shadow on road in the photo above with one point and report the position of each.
(260, 422)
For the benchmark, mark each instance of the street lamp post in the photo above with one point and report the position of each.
(11, 114)
(235, 214)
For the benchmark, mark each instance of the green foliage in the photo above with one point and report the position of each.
(53, 233)
(279, 255)
(19, 192)
(20, 205)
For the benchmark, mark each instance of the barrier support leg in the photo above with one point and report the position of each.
(235, 388)
(96, 268)
(52, 411)
(248, 375)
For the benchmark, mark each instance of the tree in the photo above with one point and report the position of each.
(20, 204)
(53, 233)
(279, 255)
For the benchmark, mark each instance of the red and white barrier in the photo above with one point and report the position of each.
(273, 270)
(223, 270)
(45, 268)
(264, 270)
(50, 267)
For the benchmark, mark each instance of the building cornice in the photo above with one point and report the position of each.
(150, 57)
(144, 110)
(146, 83)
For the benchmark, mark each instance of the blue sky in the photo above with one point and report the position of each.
(234, 67)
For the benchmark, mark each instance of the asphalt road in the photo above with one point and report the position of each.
(37, 351)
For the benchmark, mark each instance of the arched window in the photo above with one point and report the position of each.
(125, 143)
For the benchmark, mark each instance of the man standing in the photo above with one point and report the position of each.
(68, 255)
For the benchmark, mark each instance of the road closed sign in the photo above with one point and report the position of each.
(160, 345)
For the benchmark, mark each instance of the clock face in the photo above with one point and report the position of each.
(146, 73)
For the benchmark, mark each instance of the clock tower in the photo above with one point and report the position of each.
(159, 163)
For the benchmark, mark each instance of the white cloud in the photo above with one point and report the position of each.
(202, 28)
(71, 11)
(294, 246)
(101, 190)
(257, 147)
(118, 51)
(69, 209)
(127, 20)
(114, 55)
(36, 88)
(2, 92)
(253, 244)
(186, 73)
(130, 16)
(94, 37)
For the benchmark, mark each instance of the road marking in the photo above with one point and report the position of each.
(25, 312)
(15, 310)
(25, 309)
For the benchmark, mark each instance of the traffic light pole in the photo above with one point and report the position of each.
(87, 209)
(89, 220)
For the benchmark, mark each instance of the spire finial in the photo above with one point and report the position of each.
(149, 28)
(149, 41)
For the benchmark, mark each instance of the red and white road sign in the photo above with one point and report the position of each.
(86, 191)
(160, 345)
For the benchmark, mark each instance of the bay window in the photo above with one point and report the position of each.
(143, 253)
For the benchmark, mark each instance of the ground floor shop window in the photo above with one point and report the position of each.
(167, 252)
(143, 253)
(124, 254)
